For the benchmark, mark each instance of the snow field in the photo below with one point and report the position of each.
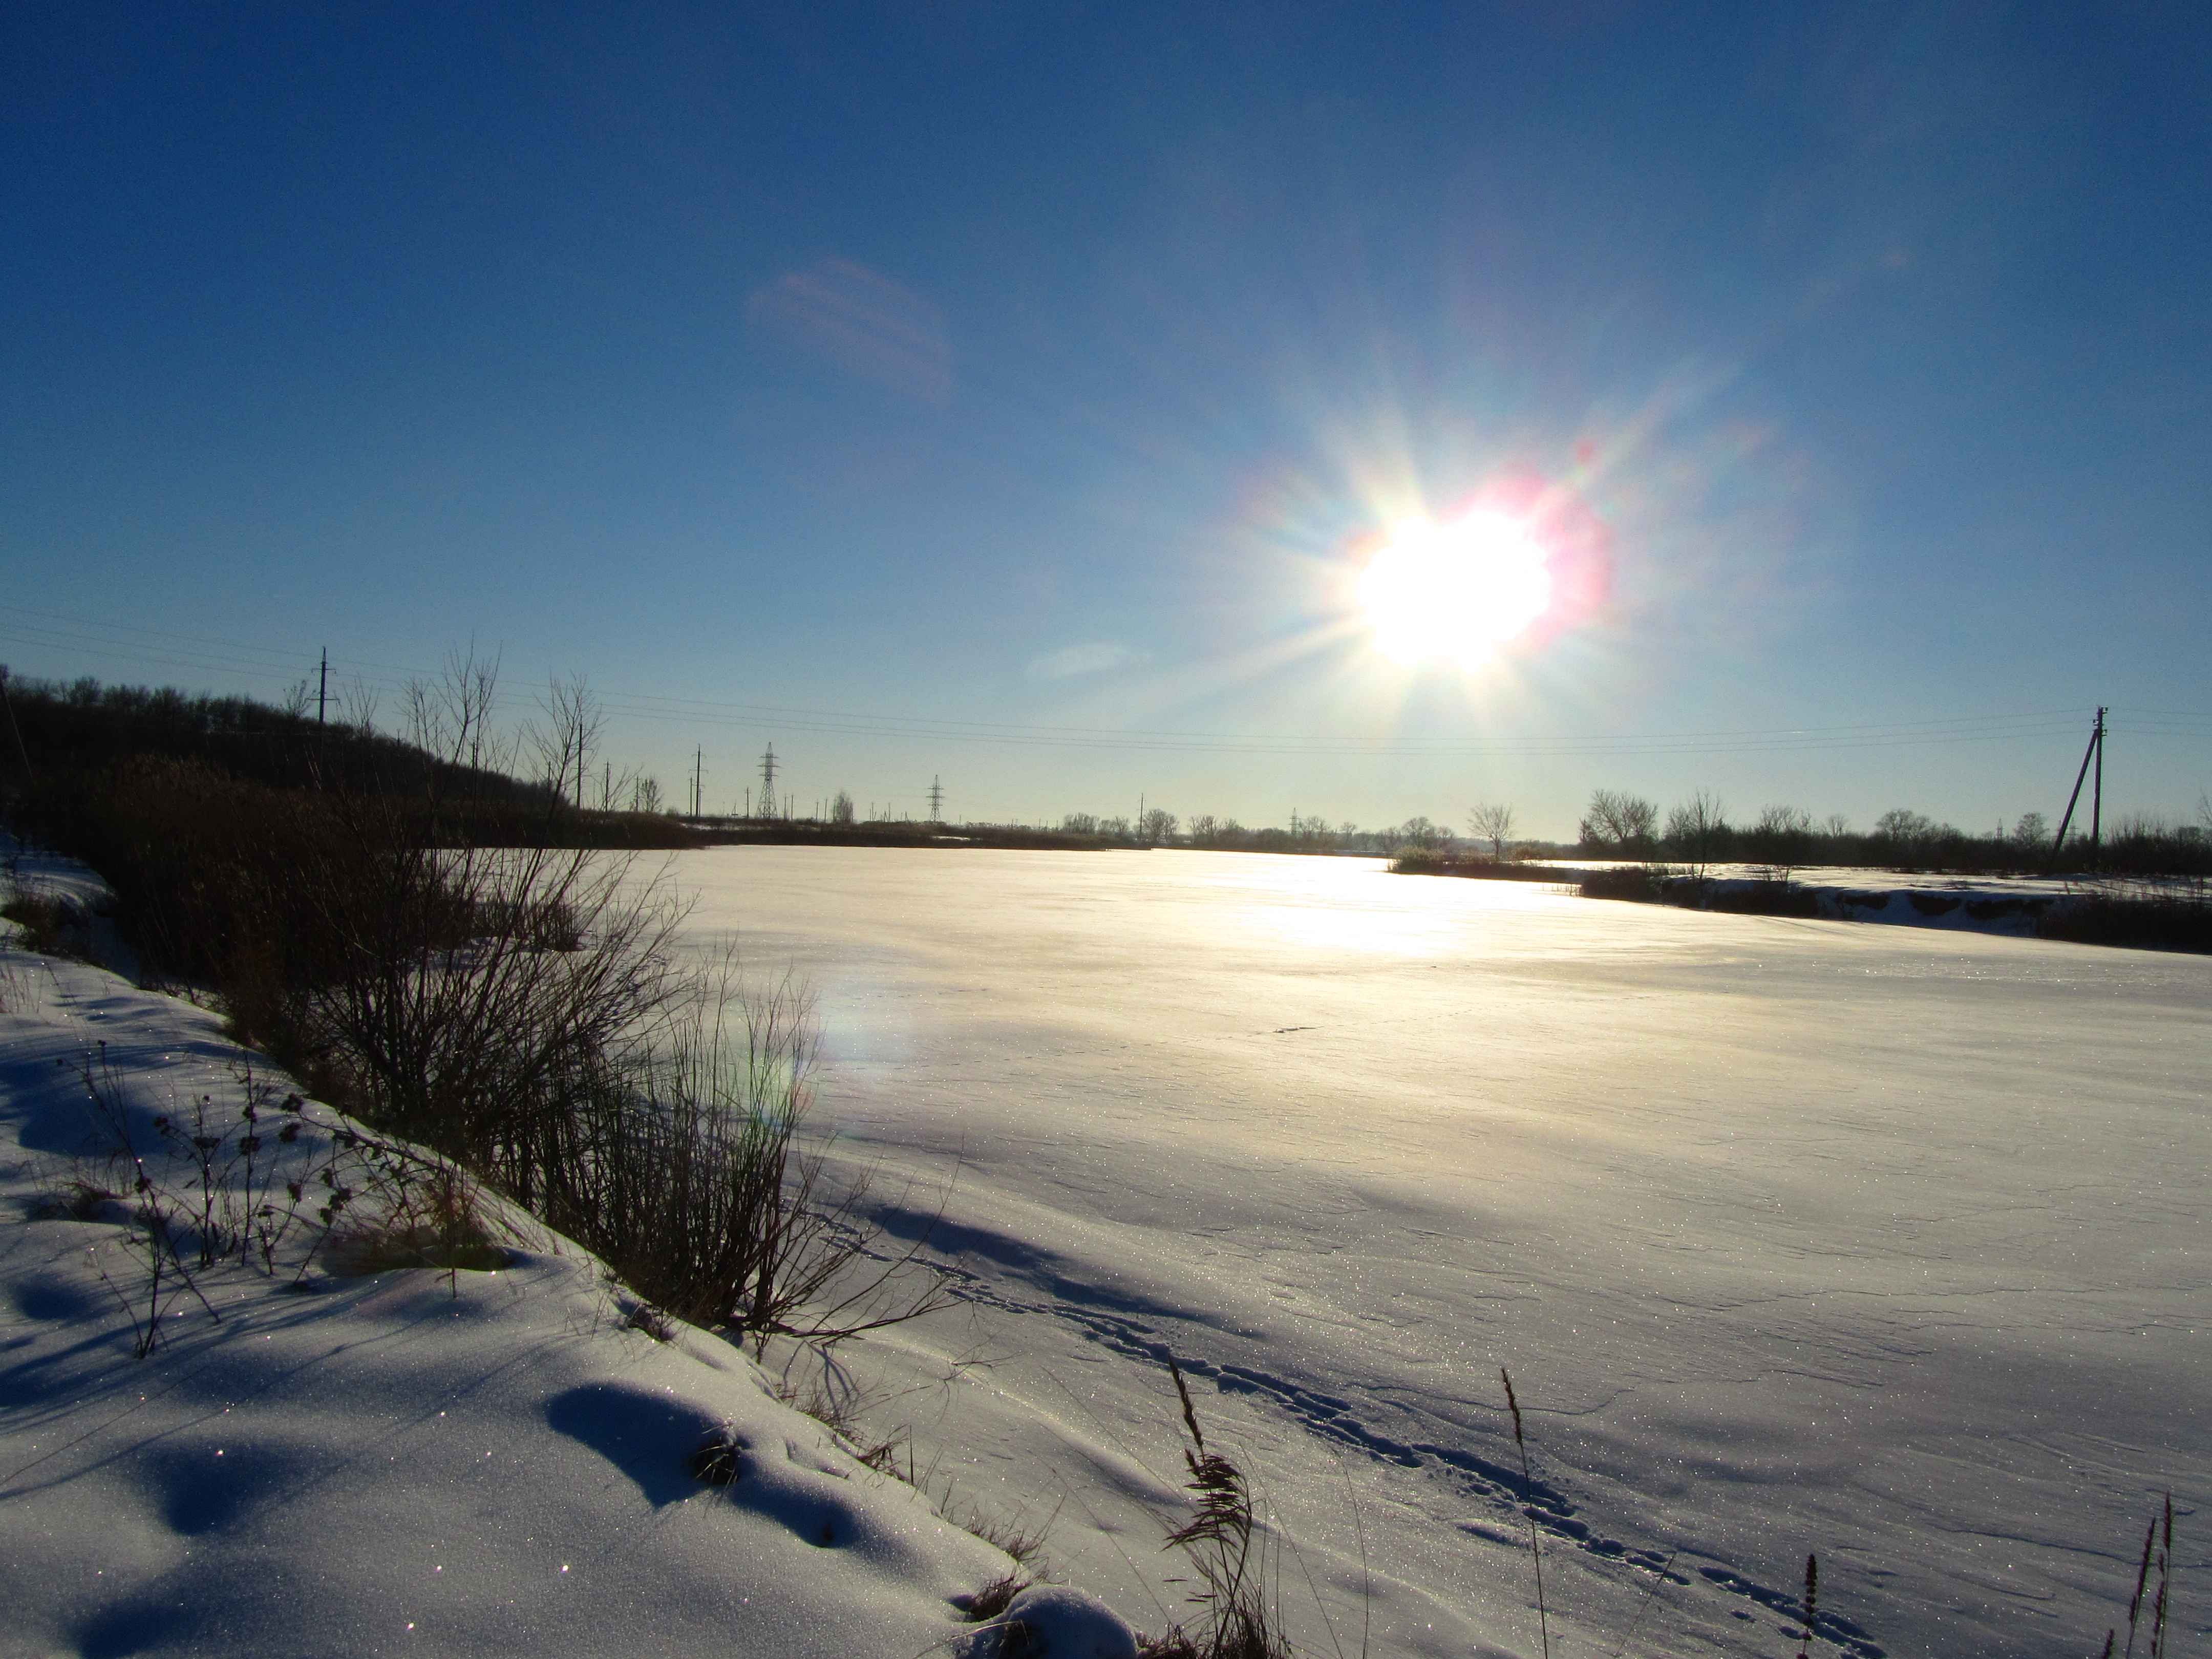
(1796, 1235)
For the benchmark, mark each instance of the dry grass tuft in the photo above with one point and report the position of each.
(434, 1222)
(1219, 1542)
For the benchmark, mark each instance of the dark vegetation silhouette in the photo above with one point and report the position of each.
(476, 965)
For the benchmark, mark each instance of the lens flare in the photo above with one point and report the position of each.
(1457, 592)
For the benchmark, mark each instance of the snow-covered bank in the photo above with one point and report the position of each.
(484, 1462)
(1797, 1235)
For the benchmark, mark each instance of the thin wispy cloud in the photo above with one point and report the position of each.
(863, 322)
(1097, 657)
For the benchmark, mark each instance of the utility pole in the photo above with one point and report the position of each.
(768, 783)
(22, 755)
(2097, 799)
(323, 688)
(936, 800)
(2094, 752)
(698, 780)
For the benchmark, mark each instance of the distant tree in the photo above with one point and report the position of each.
(1079, 824)
(1117, 829)
(841, 808)
(1156, 826)
(645, 795)
(1419, 832)
(1626, 823)
(1204, 830)
(357, 705)
(564, 742)
(1697, 830)
(1780, 840)
(1493, 824)
(2032, 832)
(450, 716)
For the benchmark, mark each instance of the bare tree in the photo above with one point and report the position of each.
(1493, 824)
(1780, 840)
(841, 808)
(450, 717)
(1156, 826)
(1698, 829)
(1418, 832)
(357, 705)
(1204, 830)
(565, 743)
(1618, 819)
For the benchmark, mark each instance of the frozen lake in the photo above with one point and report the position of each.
(1796, 1235)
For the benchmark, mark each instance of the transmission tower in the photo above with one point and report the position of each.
(768, 782)
(936, 801)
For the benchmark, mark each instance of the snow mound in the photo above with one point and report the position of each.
(1053, 1622)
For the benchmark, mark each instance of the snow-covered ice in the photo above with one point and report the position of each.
(1797, 1235)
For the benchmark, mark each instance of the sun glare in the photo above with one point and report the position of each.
(1458, 591)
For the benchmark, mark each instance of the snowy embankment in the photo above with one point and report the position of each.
(404, 1461)
(2010, 907)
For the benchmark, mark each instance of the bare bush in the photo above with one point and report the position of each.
(679, 1164)
(475, 992)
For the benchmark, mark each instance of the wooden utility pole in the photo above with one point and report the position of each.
(2094, 752)
(2097, 799)
(22, 755)
(323, 689)
(698, 780)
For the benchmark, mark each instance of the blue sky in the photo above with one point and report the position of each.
(1009, 392)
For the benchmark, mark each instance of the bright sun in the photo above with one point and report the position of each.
(1457, 591)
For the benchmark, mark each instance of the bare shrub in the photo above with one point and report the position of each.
(474, 994)
(431, 1216)
(678, 1161)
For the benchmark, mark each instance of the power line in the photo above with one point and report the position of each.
(240, 657)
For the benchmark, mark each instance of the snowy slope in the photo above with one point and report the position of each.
(1797, 1235)
(395, 1463)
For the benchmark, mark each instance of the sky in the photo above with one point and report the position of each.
(1013, 394)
